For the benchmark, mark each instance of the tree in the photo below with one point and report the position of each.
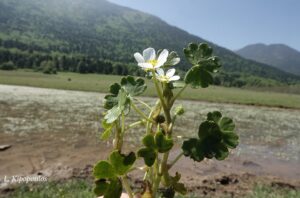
(82, 67)
(48, 67)
(7, 66)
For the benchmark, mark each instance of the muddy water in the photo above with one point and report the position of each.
(55, 127)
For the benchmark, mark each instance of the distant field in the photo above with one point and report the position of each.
(100, 83)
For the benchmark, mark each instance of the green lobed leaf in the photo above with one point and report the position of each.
(149, 141)
(231, 140)
(121, 163)
(193, 148)
(211, 140)
(176, 178)
(204, 64)
(113, 114)
(195, 53)
(214, 116)
(111, 188)
(148, 154)
(123, 106)
(209, 129)
(221, 151)
(114, 88)
(119, 100)
(216, 137)
(111, 100)
(226, 124)
(163, 143)
(101, 186)
(103, 170)
(153, 144)
(124, 101)
(178, 187)
(107, 130)
(198, 76)
(133, 87)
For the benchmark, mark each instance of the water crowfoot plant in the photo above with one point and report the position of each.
(215, 135)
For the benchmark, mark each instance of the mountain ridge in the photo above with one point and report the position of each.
(278, 55)
(103, 30)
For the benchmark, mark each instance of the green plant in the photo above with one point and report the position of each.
(262, 191)
(7, 66)
(215, 135)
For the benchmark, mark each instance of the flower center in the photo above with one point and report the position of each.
(164, 78)
(153, 62)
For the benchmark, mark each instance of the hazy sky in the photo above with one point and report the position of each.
(229, 23)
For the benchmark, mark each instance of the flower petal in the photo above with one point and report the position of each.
(173, 78)
(146, 65)
(160, 72)
(162, 58)
(158, 65)
(174, 61)
(170, 73)
(139, 58)
(149, 54)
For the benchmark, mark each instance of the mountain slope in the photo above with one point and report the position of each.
(278, 55)
(102, 30)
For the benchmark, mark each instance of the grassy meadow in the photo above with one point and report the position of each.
(100, 83)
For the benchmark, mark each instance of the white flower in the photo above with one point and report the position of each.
(160, 75)
(149, 59)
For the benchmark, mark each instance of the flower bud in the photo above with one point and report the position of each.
(179, 110)
(160, 119)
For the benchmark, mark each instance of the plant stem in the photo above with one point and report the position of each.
(175, 160)
(164, 169)
(127, 186)
(135, 124)
(118, 143)
(156, 183)
(141, 113)
(179, 93)
(123, 124)
(142, 102)
(161, 97)
(148, 125)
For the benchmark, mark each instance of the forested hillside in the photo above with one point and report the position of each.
(90, 36)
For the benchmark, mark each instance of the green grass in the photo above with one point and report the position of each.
(62, 189)
(100, 83)
(82, 188)
(263, 191)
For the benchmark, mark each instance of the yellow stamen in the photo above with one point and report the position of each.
(153, 62)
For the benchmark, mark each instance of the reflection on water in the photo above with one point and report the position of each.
(267, 132)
